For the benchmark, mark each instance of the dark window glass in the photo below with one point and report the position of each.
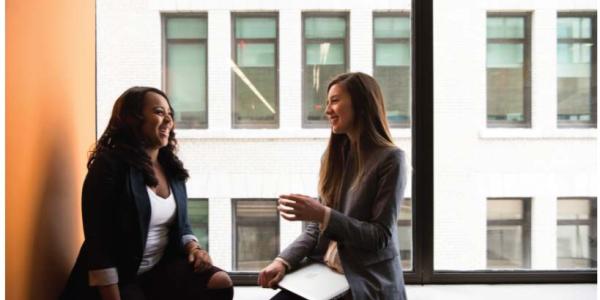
(391, 67)
(256, 223)
(576, 241)
(576, 70)
(186, 69)
(508, 234)
(508, 71)
(325, 56)
(198, 218)
(255, 78)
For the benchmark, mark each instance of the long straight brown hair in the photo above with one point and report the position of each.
(373, 132)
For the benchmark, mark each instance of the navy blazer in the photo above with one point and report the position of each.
(116, 216)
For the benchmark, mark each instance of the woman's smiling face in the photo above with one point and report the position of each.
(158, 120)
(339, 109)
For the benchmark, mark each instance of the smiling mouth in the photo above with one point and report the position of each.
(164, 132)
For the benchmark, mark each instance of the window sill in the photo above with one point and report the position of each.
(304, 133)
(527, 133)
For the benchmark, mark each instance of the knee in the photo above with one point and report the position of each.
(219, 280)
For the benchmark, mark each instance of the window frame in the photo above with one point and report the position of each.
(255, 124)
(306, 124)
(164, 49)
(527, 89)
(391, 13)
(593, 123)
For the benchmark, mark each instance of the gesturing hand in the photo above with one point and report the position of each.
(271, 275)
(296, 207)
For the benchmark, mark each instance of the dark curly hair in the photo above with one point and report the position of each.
(123, 138)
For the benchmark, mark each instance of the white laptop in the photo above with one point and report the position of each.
(315, 282)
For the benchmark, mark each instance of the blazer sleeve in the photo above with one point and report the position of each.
(302, 246)
(376, 233)
(187, 235)
(99, 195)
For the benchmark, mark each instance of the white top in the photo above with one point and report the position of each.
(161, 218)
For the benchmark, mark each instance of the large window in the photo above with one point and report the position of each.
(508, 70)
(325, 53)
(256, 235)
(198, 218)
(185, 68)
(576, 70)
(508, 233)
(576, 240)
(391, 64)
(255, 72)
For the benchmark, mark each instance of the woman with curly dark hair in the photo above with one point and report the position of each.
(138, 241)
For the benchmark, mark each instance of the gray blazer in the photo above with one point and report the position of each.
(364, 227)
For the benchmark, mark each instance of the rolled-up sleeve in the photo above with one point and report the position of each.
(186, 238)
(102, 277)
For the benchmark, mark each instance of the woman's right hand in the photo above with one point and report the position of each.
(271, 275)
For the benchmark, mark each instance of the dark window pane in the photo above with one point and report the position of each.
(507, 71)
(392, 66)
(186, 69)
(198, 217)
(255, 73)
(256, 234)
(186, 83)
(576, 241)
(575, 71)
(255, 27)
(186, 28)
(508, 234)
(324, 57)
(325, 27)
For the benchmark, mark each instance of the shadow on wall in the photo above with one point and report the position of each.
(52, 256)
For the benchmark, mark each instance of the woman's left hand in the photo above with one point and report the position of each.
(198, 257)
(297, 207)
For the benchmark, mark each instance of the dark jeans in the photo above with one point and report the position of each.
(174, 279)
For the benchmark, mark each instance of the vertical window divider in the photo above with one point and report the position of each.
(422, 139)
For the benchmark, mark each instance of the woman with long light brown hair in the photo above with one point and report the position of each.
(352, 228)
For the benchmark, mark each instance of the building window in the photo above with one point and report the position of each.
(185, 68)
(508, 70)
(405, 233)
(508, 233)
(576, 241)
(576, 70)
(256, 235)
(391, 64)
(325, 54)
(198, 218)
(255, 71)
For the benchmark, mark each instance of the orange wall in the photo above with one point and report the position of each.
(50, 108)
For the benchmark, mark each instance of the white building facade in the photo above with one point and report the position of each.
(233, 165)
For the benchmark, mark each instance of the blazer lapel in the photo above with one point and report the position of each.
(142, 201)
(178, 192)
